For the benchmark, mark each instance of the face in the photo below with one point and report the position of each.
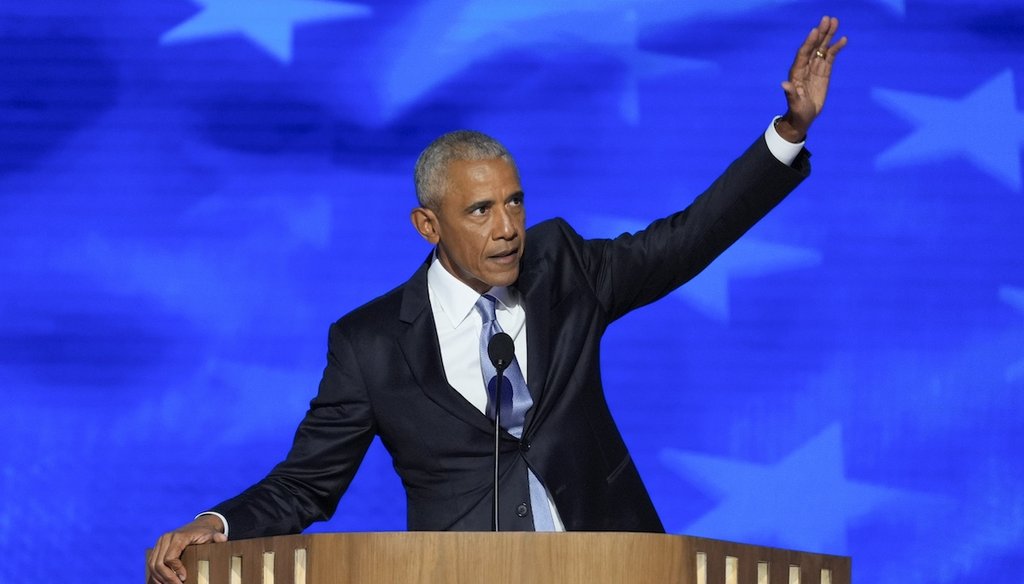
(480, 227)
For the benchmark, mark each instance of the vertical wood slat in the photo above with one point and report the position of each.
(732, 570)
(235, 570)
(299, 566)
(267, 568)
(762, 572)
(203, 572)
(702, 567)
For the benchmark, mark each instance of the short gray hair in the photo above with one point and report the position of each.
(431, 174)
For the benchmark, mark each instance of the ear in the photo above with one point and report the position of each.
(425, 222)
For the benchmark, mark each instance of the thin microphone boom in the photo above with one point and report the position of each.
(501, 351)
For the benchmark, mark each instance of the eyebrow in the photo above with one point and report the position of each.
(483, 204)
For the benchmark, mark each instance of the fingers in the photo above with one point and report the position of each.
(165, 566)
(834, 49)
(175, 565)
(827, 29)
(803, 54)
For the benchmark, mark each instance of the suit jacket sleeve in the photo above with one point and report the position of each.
(328, 447)
(634, 270)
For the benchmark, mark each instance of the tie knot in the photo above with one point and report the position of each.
(485, 304)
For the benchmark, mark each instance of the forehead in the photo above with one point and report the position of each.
(491, 177)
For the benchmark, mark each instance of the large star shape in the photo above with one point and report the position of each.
(749, 257)
(437, 43)
(268, 23)
(1015, 298)
(985, 127)
(803, 501)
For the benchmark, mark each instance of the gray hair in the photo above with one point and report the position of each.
(431, 174)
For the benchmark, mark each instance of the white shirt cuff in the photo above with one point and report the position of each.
(784, 150)
(215, 514)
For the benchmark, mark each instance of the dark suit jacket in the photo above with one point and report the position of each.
(384, 377)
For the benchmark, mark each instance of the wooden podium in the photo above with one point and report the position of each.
(504, 558)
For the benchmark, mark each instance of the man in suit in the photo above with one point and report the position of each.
(407, 366)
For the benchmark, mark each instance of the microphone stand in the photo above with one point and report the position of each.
(499, 380)
(501, 351)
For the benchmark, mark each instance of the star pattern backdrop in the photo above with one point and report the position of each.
(192, 190)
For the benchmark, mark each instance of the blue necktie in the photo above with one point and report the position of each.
(515, 402)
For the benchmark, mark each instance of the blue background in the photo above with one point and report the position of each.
(192, 190)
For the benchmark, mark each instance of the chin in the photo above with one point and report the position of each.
(504, 279)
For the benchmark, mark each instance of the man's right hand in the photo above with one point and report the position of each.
(165, 565)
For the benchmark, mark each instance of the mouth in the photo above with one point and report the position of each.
(506, 257)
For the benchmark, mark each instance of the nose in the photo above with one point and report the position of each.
(504, 224)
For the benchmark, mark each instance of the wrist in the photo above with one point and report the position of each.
(211, 521)
(784, 127)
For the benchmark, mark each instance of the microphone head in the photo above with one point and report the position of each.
(501, 350)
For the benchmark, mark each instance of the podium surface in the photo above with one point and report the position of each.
(498, 558)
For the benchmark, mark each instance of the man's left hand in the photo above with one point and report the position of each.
(808, 80)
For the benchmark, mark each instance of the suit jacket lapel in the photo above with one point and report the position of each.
(423, 353)
(537, 297)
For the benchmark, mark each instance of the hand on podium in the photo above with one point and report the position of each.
(165, 565)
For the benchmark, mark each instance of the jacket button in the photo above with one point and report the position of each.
(522, 509)
(524, 446)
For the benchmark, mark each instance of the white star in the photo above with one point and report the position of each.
(1015, 298)
(984, 127)
(268, 23)
(803, 501)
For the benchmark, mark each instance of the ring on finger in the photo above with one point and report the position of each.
(819, 53)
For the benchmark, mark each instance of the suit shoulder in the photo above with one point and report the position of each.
(375, 315)
(551, 237)
(551, 228)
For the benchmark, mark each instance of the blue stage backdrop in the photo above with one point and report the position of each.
(191, 191)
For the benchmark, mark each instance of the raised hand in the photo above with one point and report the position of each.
(808, 80)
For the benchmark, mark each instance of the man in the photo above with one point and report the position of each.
(411, 366)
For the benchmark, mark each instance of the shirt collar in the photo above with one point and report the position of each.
(456, 299)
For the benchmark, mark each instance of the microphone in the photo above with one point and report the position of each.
(501, 351)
